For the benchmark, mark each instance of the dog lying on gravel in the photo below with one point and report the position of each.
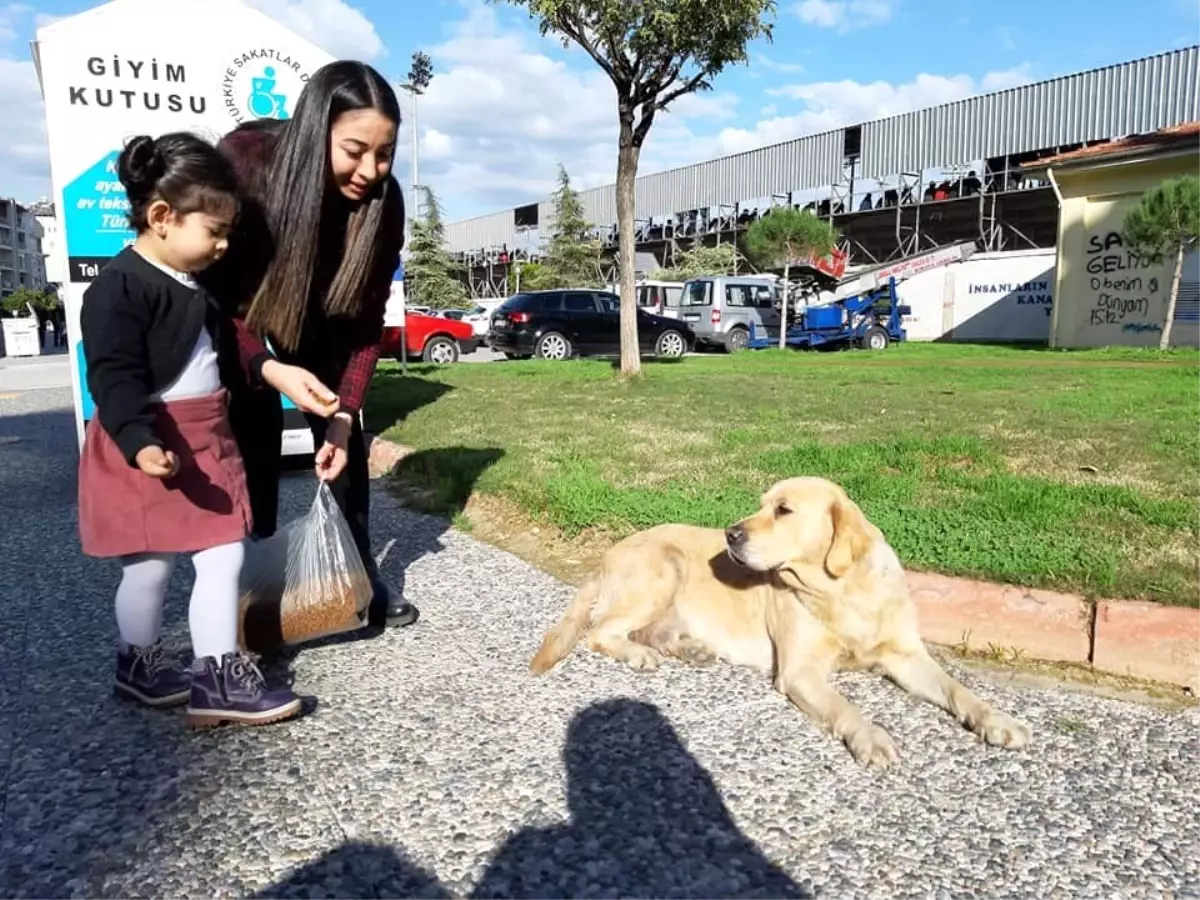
(803, 588)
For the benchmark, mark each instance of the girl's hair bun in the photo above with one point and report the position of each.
(140, 166)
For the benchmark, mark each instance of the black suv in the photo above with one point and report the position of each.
(561, 323)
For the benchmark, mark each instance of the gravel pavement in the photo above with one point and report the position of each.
(431, 765)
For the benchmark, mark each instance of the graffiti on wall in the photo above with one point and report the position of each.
(1124, 290)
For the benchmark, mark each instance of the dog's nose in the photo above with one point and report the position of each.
(735, 534)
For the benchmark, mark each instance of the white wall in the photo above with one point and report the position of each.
(53, 250)
(989, 297)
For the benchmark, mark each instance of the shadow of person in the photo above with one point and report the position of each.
(394, 396)
(359, 870)
(646, 821)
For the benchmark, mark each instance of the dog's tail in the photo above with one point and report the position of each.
(566, 632)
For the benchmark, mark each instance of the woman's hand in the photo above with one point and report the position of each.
(332, 457)
(301, 387)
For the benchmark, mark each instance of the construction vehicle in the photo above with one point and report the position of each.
(861, 309)
(871, 320)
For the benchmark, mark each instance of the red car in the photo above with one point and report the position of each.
(430, 339)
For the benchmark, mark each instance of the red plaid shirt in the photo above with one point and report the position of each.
(250, 151)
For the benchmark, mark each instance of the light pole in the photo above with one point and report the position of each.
(419, 76)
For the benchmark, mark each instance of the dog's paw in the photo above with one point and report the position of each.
(641, 658)
(873, 747)
(1001, 730)
(694, 653)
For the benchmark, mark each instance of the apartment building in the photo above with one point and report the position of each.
(22, 259)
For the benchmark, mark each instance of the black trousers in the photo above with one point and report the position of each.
(257, 420)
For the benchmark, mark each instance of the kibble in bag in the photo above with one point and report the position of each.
(304, 582)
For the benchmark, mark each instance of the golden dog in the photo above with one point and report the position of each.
(803, 588)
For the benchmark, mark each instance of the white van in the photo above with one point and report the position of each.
(661, 298)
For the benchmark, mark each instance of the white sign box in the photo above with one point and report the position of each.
(148, 67)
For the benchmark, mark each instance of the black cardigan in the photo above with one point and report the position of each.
(139, 327)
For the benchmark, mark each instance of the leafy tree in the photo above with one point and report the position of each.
(1167, 220)
(25, 299)
(429, 269)
(696, 262)
(784, 237)
(536, 277)
(573, 255)
(653, 51)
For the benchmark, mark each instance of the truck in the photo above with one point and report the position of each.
(872, 319)
(829, 307)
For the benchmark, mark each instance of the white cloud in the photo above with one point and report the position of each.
(504, 109)
(511, 112)
(844, 15)
(788, 68)
(833, 104)
(333, 25)
(23, 165)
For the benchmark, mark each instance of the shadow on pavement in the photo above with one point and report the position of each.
(359, 870)
(646, 821)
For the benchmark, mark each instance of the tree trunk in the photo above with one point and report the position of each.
(627, 162)
(1165, 341)
(783, 307)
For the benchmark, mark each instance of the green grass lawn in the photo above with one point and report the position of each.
(1070, 470)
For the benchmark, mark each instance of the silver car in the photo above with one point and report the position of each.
(721, 308)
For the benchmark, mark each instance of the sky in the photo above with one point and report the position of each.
(506, 106)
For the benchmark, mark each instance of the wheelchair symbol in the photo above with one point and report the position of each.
(264, 102)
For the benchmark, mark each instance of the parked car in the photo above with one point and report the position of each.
(562, 323)
(721, 308)
(431, 339)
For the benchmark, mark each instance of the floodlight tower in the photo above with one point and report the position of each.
(419, 76)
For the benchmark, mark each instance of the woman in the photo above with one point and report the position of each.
(306, 281)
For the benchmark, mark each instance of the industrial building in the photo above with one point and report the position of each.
(894, 186)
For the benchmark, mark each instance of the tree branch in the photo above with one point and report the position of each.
(643, 126)
(690, 85)
(659, 78)
(574, 30)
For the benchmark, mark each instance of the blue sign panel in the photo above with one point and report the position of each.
(95, 211)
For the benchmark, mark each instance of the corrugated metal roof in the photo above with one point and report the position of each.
(1129, 98)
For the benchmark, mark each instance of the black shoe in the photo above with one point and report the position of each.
(387, 611)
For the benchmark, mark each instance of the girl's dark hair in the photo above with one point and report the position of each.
(182, 169)
(295, 198)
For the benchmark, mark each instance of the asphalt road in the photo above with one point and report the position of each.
(430, 764)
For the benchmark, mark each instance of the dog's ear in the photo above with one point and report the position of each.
(850, 538)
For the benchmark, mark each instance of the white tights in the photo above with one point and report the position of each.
(212, 613)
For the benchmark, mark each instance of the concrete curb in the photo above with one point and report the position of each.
(1121, 637)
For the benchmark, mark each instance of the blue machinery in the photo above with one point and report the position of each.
(871, 320)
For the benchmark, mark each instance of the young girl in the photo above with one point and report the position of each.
(160, 473)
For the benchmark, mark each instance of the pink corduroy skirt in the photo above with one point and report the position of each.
(124, 512)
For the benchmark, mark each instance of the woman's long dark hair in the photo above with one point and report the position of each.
(295, 200)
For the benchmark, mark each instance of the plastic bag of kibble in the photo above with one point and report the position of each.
(304, 582)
